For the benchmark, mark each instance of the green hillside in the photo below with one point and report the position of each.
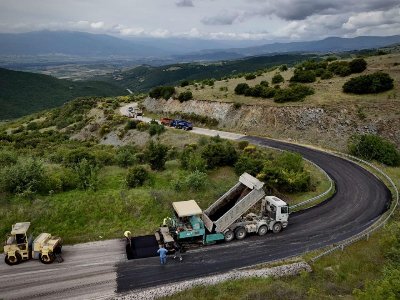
(22, 93)
(143, 78)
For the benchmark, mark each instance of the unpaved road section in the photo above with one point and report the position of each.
(88, 272)
(99, 270)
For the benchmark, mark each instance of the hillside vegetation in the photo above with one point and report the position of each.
(23, 93)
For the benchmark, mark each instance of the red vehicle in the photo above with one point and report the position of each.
(166, 121)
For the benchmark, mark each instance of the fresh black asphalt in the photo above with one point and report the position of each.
(360, 198)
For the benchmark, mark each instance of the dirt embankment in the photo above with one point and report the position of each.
(327, 126)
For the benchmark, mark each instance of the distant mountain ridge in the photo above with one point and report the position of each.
(85, 44)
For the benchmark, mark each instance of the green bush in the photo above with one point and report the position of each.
(278, 78)
(164, 92)
(185, 96)
(293, 93)
(125, 156)
(195, 181)
(373, 147)
(192, 160)
(156, 129)
(286, 174)
(243, 144)
(131, 124)
(358, 65)
(250, 76)
(264, 83)
(136, 176)
(369, 84)
(75, 156)
(241, 88)
(87, 174)
(218, 154)
(32, 126)
(7, 158)
(341, 68)
(326, 75)
(142, 126)
(156, 155)
(26, 177)
(304, 76)
(248, 164)
(184, 83)
(283, 68)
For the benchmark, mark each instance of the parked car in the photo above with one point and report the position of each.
(182, 124)
(166, 121)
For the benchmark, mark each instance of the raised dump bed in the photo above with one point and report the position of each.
(234, 203)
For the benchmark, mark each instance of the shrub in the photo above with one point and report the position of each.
(192, 160)
(7, 158)
(243, 144)
(278, 78)
(241, 88)
(131, 124)
(250, 76)
(286, 173)
(283, 68)
(185, 96)
(32, 126)
(219, 154)
(237, 105)
(75, 156)
(326, 75)
(164, 92)
(248, 164)
(26, 177)
(87, 174)
(293, 93)
(369, 84)
(142, 126)
(136, 176)
(303, 76)
(184, 83)
(125, 156)
(340, 68)
(264, 83)
(358, 65)
(156, 155)
(373, 147)
(195, 181)
(156, 129)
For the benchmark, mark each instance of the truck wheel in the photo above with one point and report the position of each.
(229, 236)
(240, 233)
(47, 259)
(262, 230)
(13, 260)
(277, 227)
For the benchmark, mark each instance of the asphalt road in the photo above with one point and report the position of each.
(359, 200)
(99, 270)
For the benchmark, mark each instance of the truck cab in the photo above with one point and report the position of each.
(277, 211)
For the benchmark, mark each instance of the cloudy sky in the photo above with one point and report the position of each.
(209, 19)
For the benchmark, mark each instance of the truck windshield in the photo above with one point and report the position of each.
(284, 209)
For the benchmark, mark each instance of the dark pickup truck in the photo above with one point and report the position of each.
(181, 124)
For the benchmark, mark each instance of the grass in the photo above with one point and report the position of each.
(81, 216)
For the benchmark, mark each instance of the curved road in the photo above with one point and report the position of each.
(99, 270)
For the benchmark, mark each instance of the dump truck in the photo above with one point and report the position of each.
(20, 246)
(228, 218)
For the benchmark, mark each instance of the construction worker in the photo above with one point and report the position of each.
(178, 250)
(163, 255)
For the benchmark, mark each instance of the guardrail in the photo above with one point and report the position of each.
(329, 190)
(378, 224)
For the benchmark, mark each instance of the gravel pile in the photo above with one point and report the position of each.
(170, 289)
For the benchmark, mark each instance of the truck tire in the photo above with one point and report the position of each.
(13, 260)
(240, 233)
(277, 227)
(47, 259)
(262, 230)
(229, 236)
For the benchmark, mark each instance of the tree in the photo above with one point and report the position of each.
(306, 76)
(156, 155)
(185, 83)
(219, 154)
(185, 96)
(250, 76)
(369, 84)
(278, 78)
(358, 65)
(373, 147)
(241, 88)
(125, 156)
(164, 92)
(136, 176)
(283, 68)
(87, 173)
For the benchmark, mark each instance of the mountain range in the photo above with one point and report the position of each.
(82, 44)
